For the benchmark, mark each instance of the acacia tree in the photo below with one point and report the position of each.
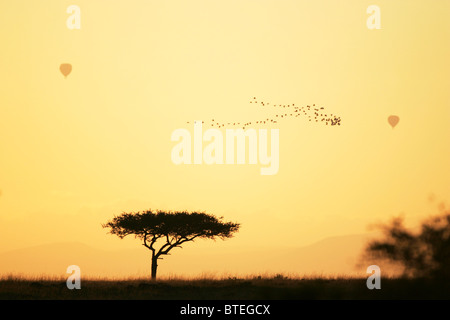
(172, 228)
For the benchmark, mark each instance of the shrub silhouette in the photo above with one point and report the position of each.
(423, 254)
(175, 228)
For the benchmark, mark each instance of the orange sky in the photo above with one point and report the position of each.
(76, 151)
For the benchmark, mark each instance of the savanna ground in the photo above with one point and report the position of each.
(276, 287)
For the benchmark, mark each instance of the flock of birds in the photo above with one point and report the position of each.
(312, 113)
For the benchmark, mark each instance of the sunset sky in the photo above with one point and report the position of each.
(75, 152)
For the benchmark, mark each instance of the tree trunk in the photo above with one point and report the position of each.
(154, 267)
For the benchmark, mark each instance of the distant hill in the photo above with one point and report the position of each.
(331, 256)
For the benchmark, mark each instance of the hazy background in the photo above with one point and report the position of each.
(76, 151)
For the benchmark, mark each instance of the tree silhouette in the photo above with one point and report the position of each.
(421, 254)
(175, 228)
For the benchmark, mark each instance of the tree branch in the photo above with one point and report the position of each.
(152, 242)
(170, 246)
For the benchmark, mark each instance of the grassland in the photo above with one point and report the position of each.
(260, 288)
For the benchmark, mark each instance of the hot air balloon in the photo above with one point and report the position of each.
(65, 69)
(393, 120)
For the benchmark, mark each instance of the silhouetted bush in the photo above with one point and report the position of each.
(425, 253)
